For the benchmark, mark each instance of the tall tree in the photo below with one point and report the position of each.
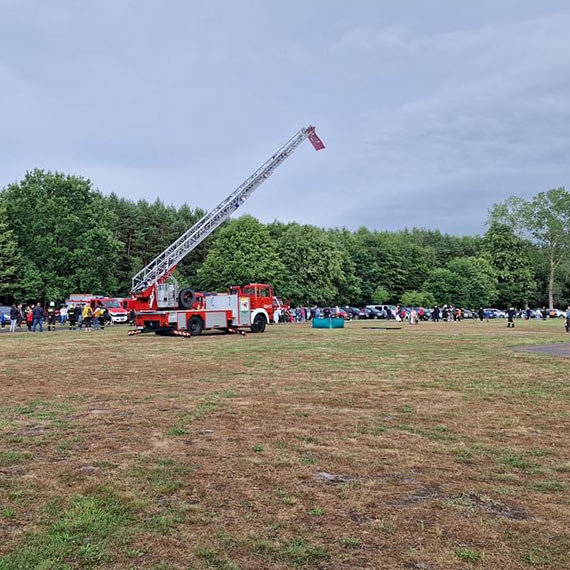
(464, 282)
(389, 260)
(510, 258)
(314, 266)
(243, 252)
(65, 232)
(10, 260)
(546, 220)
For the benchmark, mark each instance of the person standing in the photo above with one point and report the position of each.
(481, 314)
(102, 316)
(63, 314)
(14, 316)
(567, 320)
(51, 316)
(511, 318)
(38, 317)
(72, 316)
(96, 313)
(87, 316)
(29, 318)
(413, 317)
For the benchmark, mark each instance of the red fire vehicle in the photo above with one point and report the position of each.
(249, 306)
(163, 308)
(114, 306)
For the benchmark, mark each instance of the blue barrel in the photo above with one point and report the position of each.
(333, 323)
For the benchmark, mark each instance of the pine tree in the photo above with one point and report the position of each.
(10, 261)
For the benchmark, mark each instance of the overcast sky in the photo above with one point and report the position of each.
(431, 111)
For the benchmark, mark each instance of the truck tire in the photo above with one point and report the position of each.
(259, 324)
(186, 298)
(195, 325)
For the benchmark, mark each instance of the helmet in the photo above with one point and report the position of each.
(52, 304)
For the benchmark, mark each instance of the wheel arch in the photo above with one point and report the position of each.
(260, 311)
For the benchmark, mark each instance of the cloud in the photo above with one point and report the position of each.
(429, 116)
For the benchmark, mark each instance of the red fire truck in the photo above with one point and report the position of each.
(114, 306)
(161, 307)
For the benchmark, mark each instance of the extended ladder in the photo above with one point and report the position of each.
(175, 252)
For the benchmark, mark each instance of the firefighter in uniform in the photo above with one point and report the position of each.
(51, 316)
(102, 317)
(510, 318)
(72, 316)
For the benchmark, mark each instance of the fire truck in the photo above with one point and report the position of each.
(165, 309)
(117, 313)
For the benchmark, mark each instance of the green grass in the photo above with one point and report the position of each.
(8, 458)
(468, 554)
(78, 536)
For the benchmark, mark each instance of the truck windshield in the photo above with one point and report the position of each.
(112, 304)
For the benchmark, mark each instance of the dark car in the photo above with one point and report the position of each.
(353, 312)
(381, 311)
(384, 310)
(371, 313)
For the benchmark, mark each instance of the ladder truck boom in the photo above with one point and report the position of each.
(164, 264)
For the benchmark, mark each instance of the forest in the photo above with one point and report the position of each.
(60, 235)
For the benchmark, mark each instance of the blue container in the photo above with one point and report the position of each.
(334, 323)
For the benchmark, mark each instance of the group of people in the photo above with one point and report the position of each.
(80, 317)
(446, 313)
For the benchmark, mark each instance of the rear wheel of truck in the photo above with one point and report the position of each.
(259, 324)
(195, 326)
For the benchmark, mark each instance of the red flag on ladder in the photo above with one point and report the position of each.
(317, 143)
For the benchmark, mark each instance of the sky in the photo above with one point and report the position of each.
(430, 111)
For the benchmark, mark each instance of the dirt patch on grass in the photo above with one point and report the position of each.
(558, 349)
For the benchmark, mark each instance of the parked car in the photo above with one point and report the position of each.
(382, 313)
(4, 316)
(384, 310)
(371, 313)
(340, 313)
(556, 313)
(467, 314)
(353, 312)
(494, 314)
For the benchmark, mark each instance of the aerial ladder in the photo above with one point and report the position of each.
(154, 287)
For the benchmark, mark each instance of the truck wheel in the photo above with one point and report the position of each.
(259, 324)
(186, 298)
(195, 326)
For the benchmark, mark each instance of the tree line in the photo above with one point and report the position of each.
(59, 235)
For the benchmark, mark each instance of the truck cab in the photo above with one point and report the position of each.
(261, 303)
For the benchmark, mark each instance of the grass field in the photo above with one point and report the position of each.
(430, 447)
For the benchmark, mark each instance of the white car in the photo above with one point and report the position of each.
(556, 313)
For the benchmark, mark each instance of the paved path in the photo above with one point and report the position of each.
(558, 349)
